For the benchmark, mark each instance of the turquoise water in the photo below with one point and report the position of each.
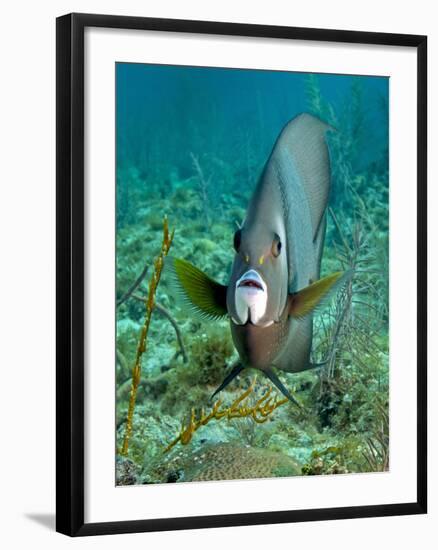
(191, 145)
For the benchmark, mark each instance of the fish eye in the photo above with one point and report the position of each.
(237, 240)
(276, 246)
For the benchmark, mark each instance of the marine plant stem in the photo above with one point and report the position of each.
(142, 341)
(203, 187)
(134, 286)
(166, 313)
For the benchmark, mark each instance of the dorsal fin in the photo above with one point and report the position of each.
(304, 140)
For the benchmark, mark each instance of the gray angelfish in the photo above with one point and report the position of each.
(274, 286)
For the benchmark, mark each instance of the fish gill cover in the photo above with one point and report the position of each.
(192, 144)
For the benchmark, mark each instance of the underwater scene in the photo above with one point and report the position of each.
(252, 274)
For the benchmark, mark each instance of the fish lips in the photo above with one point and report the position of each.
(252, 282)
(251, 298)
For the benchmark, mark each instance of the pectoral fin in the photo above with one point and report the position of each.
(317, 295)
(203, 295)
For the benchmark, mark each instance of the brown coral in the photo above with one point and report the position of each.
(221, 461)
(228, 461)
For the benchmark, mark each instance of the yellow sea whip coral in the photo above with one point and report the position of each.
(142, 341)
(259, 412)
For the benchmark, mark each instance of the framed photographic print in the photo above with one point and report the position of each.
(241, 274)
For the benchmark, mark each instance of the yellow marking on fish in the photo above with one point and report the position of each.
(261, 259)
(247, 258)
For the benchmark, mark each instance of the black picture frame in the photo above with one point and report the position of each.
(70, 273)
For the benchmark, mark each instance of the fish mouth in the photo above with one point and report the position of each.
(251, 298)
(251, 280)
(251, 283)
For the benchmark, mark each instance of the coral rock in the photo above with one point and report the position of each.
(230, 461)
